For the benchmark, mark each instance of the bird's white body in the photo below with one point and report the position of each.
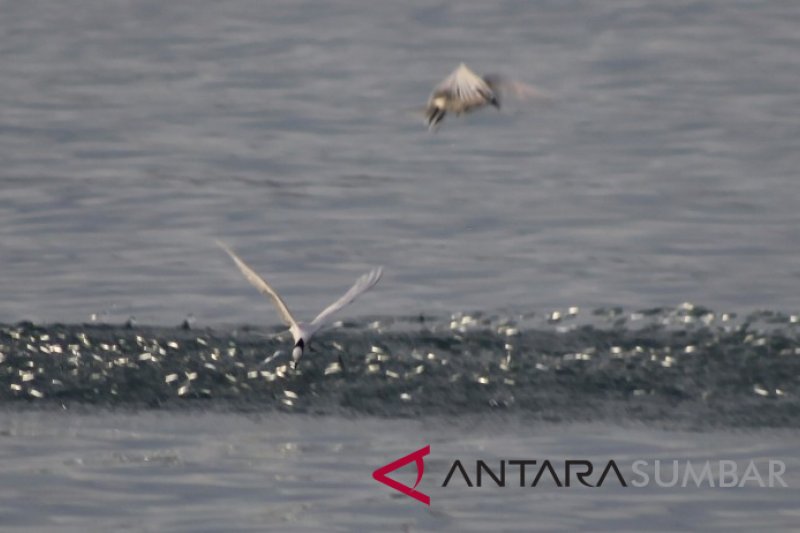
(461, 92)
(303, 331)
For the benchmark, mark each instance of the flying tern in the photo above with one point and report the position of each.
(464, 91)
(303, 331)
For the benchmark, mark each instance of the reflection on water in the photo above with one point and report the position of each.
(683, 367)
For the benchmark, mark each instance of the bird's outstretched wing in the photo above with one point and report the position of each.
(464, 89)
(517, 89)
(264, 287)
(363, 284)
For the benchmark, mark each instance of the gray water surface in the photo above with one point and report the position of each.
(209, 472)
(662, 169)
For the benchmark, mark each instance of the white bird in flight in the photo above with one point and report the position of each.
(464, 91)
(303, 331)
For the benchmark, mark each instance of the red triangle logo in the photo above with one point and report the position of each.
(379, 475)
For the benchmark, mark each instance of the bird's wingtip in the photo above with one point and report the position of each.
(227, 249)
(376, 273)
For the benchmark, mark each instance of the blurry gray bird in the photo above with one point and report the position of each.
(464, 91)
(302, 331)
